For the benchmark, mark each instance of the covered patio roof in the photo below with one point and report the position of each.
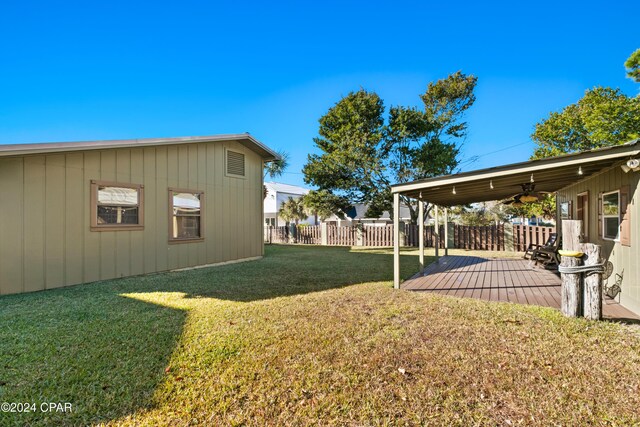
(501, 182)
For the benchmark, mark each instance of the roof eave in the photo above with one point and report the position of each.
(60, 147)
(628, 149)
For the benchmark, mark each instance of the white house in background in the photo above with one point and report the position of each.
(357, 215)
(277, 193)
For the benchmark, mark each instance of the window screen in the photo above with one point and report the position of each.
(116, 206)
(610, 215)
(186, 214)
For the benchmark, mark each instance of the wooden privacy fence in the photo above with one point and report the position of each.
(504, 237)
(308, 234)
(484, 237)
(341, 236)
(373, 235)
(524, 235)
(412, 233)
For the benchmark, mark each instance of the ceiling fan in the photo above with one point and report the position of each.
(526, 196)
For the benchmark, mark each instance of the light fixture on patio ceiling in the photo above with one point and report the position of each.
(491, 184)
(631, 165)
(531, 178)
(420, 196)
(454, 190)
(526, 196)
(580, 170)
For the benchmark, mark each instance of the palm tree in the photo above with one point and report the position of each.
(293, 210)
(275, 169)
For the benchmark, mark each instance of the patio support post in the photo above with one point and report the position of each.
(421, 234)
(396, 240)
(436, 231)
(446, 231)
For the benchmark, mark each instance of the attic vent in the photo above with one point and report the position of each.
(235, 163)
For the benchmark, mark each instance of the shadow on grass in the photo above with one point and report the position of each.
(105, 353)
(622, 320)
(292, 270)
(88, 346)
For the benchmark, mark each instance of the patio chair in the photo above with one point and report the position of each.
(551, 241)
(547, 254)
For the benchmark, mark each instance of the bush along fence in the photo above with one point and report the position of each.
(504, 237)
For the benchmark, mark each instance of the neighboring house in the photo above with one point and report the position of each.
(599, 187)
(81, 212)
(357, 214)
(278, 193)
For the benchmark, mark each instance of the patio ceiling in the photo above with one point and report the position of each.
(549, 175)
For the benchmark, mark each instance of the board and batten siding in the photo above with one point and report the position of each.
(625, 259)
(45, 236)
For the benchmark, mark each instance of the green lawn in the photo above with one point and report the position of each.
(307, 335)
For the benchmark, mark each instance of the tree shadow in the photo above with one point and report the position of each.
(88, 346)
(104, 347)
(287, 270)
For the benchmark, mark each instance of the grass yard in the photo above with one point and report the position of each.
(307, 335)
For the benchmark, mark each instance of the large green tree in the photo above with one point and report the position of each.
(603, 117)
(426, 143)
(633, 66)
(323, 203)
(354, 150)
(361, 155)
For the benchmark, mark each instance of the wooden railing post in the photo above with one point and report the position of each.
(592, 283)
(571, 292)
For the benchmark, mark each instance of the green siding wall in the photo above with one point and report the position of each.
(625, 259)
(45, 237)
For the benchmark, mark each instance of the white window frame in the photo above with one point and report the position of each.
(605, 216)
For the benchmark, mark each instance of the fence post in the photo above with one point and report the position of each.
(324, 236)
(451, 236)
(508, 237)
(403, 234)
(359, 235)
(293, 232)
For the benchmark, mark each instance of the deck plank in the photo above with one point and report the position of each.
(499, 279)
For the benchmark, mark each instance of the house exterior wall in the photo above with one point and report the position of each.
(625, 259)
(273, 202)
(45, 236)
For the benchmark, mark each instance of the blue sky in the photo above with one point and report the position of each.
(109, 70)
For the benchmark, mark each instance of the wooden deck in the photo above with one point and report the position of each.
(499, 279)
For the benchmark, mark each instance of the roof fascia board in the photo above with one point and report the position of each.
(58, 147)
(453, 179)
(593, 175)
